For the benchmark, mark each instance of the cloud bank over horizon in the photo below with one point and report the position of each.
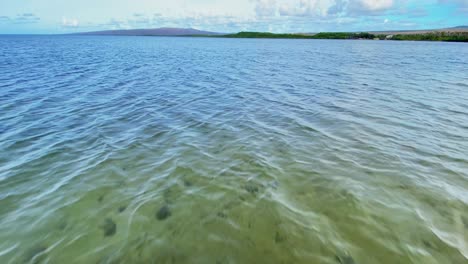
(49, 16)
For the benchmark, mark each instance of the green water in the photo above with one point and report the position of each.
(192, 150)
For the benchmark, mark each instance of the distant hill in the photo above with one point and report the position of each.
(152, 32)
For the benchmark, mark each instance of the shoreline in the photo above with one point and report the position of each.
(437, 36)
(461, 36)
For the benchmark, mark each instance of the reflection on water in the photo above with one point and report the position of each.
(192, 150)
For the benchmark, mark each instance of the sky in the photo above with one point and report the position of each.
(66, 16)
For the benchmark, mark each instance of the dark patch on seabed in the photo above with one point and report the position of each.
(345, 259)
(187, 183)
(109, 227)
(221, 215)
(465, 222)
(121, 208)
(35, 254)
(163, 213)
(252, 188)
(279, 237)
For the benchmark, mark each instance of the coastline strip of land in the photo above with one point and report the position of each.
(456, 34)
(429, 36)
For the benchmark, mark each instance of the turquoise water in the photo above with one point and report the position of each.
(199, 150)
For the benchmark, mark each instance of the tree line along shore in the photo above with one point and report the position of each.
(429, 36)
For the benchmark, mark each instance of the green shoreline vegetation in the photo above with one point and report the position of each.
(430, 36)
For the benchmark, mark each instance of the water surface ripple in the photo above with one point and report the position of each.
(198, 150)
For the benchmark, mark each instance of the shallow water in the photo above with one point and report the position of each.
(198, 150)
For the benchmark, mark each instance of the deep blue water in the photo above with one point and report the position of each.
(210, 150)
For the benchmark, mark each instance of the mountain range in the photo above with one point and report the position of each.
(164, 31)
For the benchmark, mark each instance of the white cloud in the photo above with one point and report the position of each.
(73, 22)
(373, 5)
(301, 8)
(320, 8)
(265, 7)
(362, 7)
(270, 15)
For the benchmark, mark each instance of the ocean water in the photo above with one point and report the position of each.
(200, 150)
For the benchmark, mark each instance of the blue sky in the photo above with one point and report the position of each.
(63, 16)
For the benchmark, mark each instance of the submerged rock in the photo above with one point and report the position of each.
(221, 215)
(279, 237)
(187, 183)
(35, 254)
(109, 227)
(465, 222)
(253, 189)
(345, 259)
(122, 208)
(403, 187)
(62, 225)
(163, 213)
(427, 244)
